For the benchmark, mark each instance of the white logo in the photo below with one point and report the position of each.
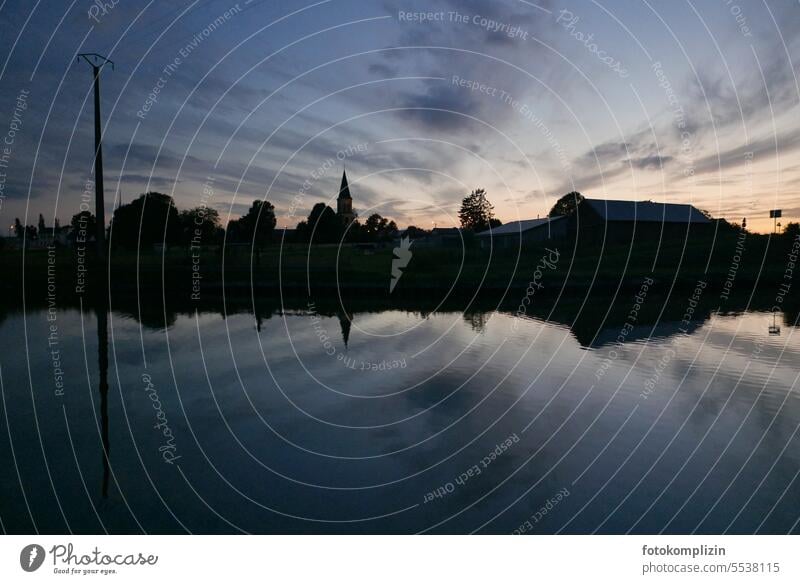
(31, 557)
(402, 255)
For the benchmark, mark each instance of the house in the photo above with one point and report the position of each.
(44, 239)
(59, 236)
(598, 219)
(512, 235)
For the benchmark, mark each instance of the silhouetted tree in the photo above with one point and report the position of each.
(354, 232)
(377, 228)
(476, 211)
(256, 226)
(791, 231)
(84, 226)
(322, 226)
(566, 205)
(200, 226)
(42, 227)
(150, 219)
(19, 230)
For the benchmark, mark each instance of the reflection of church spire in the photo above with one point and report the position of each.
(345, 321)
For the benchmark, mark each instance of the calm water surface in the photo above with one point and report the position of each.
(396, 421)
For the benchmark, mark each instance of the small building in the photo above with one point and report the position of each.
(59, 236)
(512, 235)
(441, 237)
(598, 219)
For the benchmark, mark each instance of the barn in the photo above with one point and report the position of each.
(511, 235)
(616, 221)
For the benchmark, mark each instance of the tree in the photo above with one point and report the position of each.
(791, 231)
(377, 228)
(150, 219)
(322, 226)
(476, 211)
(42, 227)
(84, 227)
(200, 226)
(256, 226)
(19, 230)
(566, 205)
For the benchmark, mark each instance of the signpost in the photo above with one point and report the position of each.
(776, 214)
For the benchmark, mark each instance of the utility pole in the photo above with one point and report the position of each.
(97, 62)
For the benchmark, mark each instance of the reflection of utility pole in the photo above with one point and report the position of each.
(97, 62)
(774, 329)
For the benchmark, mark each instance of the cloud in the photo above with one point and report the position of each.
(763, 148)
(382, 70)
(652, 162)
(439, 108)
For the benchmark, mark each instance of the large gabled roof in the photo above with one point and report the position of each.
(517, 227)
(646, 211)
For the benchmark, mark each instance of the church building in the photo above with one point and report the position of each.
(344, 203)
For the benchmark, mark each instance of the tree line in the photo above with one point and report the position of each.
(152, 218)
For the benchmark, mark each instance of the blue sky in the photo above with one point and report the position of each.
(269, 99)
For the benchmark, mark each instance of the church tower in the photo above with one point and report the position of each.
(344, 203)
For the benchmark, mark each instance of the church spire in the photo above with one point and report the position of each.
(344, 189)
(344, 202)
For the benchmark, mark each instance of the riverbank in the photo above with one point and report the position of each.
(728, 263)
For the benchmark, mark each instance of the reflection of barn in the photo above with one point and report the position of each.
(511, 235)
(620, 220)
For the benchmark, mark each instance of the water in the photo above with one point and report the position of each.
(387, 420)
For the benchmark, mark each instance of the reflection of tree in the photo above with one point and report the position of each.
(477, 320)
(261, 314)
(791, 316)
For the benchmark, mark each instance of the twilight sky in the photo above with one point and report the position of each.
(220, 103)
